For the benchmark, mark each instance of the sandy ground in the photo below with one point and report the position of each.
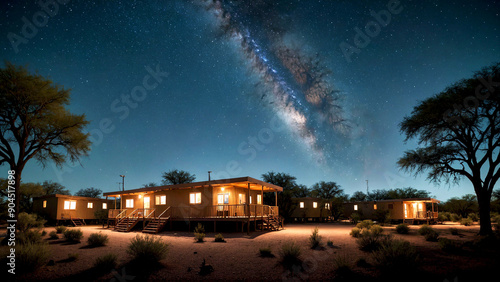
(238, 258)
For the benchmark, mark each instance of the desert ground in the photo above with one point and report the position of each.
(238, 258)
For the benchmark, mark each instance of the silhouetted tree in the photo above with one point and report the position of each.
(287, 182)
(358, 196)
(458, 132)
(176, 176)
(301, 191)
(461, 206)
(89, 192)
(150, 184)
(34, 123)
(50, 188)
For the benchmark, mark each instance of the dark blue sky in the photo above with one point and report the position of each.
(186, 85)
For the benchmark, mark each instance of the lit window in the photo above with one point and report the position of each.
(69, 205)
(242, 198)
(90, 205)
(315, 205)
(259, 199)
(250, 200)
(420, 206)
(104, 206)
(195, 198)
(327, 206)
(301, 205)
(129, 203)
(44, 204)
(161, 200)
(374, 206)
(355, 207)
(223, 198)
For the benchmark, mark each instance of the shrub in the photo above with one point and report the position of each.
(44, 233)
(356, 217)
(396, 255)
(199, 233)
(219, 238)
(315, 239)
(266, 252)
(106, 262)
(361, 262)
(97, 239)
(376, 229)
(53, 235)
(473, 216)
(27, 221)
(367, 223)
(147, 249)
(29, 236)
(432, 235)
(382, 216)
(424, 229)
(454, 217)
(466, 221)
(290, 254)
(73, 256)
(30, 257)
(355, 232)
(402, 228)
(341, 264)
(60, 229)
(448, 245)
(73, 235)
(454, 231)
(369, 241)
(329, 243)
(443, 216)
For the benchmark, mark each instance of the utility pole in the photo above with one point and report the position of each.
(123, 182)
(367, 187)
(209, 174)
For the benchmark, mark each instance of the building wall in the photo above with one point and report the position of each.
(55, 207)
(309, 211)
(367, 210)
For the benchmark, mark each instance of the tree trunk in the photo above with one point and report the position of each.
(483, 200)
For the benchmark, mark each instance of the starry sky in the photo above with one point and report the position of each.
(316, 89)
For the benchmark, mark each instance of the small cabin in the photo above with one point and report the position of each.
(59, 207)
(414, 210)
(311, 209)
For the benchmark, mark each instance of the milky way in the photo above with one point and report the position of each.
(295, 84)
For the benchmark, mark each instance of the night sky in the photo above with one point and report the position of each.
(316, 89)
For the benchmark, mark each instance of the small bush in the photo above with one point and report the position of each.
(27, 221)
(73, 235)
(369, 241)
(367, 223)
(60, 229)
(455, 217)
(147, 249)
(44, 233)
(443, 216)
(97, 239)
(396, 255)
(73, 256)
(219, 238)
(361, 262)
(403, 228)
(199, 233)
(454, 231)
(466, 221)
(290, 254)
(432, 235)
(30, 257)
(315, 239)
(53, 235)
(342, 265)
(356, 217)
(473, 216)
(424, 229)
(448, 245)
(106, 262)
(266, 252)
(355, 232)
(29, 236)
(329, 243)
(376, 229)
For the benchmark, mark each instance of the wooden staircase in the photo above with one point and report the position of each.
(155, 225)
(126, 224)
(78, 221)
(272, 222)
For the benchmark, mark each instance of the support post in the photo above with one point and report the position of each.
(262, 208)
(248, 208)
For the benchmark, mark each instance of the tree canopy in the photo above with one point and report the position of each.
(457, 131)
(89, 192)
(390, 194)
(35, 124)
(175, 176)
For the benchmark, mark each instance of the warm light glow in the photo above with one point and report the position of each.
(315, 205)
(374, 206)
(104, 206)
(69, 205)
(222, 189)
(147, 204)
(355, 207)
(129, 203)
(301, 205)
(44, 204)
(140, 196)
(195, 198)
(90, 205)
(161, 199)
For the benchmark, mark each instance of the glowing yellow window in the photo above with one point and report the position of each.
(44, 204)
(69, 205)
(355, 207)
(90, 205)
(259, 199)
(374, 206)
(195, 198)
(104, 206)
(129, 203)
(315, 205)
(301, 204)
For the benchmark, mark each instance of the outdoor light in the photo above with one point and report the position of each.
(140, 196)
(222, 189)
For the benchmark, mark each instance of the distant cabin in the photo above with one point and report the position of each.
(311, 209)
(414, 210)
(59, 207)
(237, 202)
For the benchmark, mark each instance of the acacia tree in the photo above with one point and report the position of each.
(458, 136)
(35, 124)
(287, 182)
(90, 192)
(175, 176)
(329, 192)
